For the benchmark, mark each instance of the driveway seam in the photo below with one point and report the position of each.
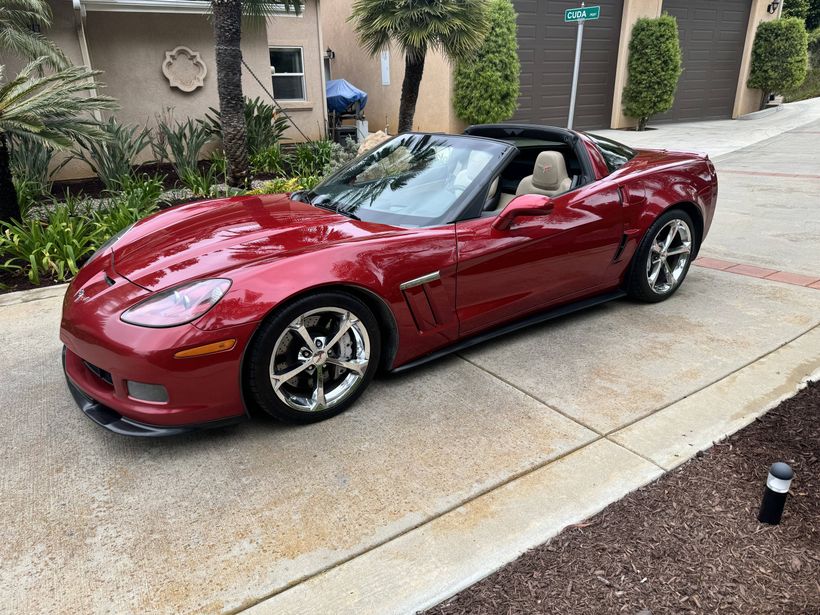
(480, 494)
(530, 395)
(711, 383)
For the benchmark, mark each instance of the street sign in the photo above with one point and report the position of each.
(582, 13)
(579, 16)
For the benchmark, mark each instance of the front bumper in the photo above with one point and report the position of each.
(111, 420)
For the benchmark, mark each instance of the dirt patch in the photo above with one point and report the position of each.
(688, 543)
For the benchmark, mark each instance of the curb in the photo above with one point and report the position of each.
(34, 294)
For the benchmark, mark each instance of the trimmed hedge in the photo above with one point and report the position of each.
(487, 85)
(654, 68)
(779, 56)
(796, 8)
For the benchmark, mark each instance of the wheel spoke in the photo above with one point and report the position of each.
(656, 270)
(673, 232)
(684, 249)
(667, 271)
(318, 401)
(303, 332)
(279, 379)
(348, 320)
(656, 247)
(357, 366)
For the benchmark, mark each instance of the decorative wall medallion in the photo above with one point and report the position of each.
(184, 69)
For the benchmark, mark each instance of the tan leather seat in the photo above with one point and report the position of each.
(549, 177)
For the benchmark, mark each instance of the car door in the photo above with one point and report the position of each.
(539, 261)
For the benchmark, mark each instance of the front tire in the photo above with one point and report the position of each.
(314, 358)
(663, 258)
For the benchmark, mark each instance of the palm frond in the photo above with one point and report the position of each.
(54, 108)
(455, 27)
(19, 20)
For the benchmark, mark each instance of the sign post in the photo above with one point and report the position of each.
(579, 15)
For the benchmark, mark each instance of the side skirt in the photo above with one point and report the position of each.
(521, 324)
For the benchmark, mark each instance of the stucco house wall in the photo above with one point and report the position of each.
(129, 48)
(433, 110)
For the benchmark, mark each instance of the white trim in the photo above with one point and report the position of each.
(163, 6)
(302, 74)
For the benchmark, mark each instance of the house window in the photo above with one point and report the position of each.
(288, 73)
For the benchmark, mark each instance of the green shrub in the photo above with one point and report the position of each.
(270, 160)
(813, 17)
(201, 183)
(142, 191)
(654, 68)
(796, 8)
(180, 143)
(340, 155)
(814, 48)
(264, 127)
(113, 159)
(487, 85)
(311, 158)
(55, 246)
(810, 88)
(121, 212)
(779, 56)
(283, 185)
(30, 169)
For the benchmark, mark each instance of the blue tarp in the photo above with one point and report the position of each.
(341, 94)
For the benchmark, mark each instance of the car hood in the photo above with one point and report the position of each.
(210, 237)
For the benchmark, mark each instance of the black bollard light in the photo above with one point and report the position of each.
(774, 496)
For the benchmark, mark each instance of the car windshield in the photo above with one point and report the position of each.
(412, 180)
(615, 154)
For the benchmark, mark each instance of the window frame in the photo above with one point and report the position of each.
(274, 74)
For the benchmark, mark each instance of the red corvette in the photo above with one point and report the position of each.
(289, 304)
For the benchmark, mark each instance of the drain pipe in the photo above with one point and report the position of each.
(79, 25)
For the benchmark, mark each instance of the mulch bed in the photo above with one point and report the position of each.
(688, 543)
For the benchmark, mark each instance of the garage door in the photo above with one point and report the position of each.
(712, 37)
(547, 52)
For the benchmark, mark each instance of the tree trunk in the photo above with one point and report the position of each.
(8, 195)
(227, 18)
(642, 123)
(764, 100)
(413, 72)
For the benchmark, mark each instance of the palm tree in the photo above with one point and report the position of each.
(227, 20)
(54, 109)
(454, 27)
(18, 36)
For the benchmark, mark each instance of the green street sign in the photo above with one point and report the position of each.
(582, 13)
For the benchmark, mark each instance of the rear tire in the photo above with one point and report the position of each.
(314, 358)
(663, 258)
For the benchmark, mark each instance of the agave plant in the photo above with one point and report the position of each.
(264, 127)
(53, 109)
(180, 143)
(113, 158)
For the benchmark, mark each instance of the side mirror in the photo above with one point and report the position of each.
(524, 205)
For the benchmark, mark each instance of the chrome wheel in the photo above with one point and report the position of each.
(319, 359)
(669, 256)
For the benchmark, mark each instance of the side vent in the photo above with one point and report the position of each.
(420, 295)
(619, 252)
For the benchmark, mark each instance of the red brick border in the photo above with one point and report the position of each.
(786, 277)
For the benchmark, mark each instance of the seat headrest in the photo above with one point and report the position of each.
(550, 171)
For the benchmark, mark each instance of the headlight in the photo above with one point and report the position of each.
(110, 243)
(178, 305)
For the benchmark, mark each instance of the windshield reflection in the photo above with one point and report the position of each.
(412, 180)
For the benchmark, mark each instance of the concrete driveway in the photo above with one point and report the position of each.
(437, 476)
